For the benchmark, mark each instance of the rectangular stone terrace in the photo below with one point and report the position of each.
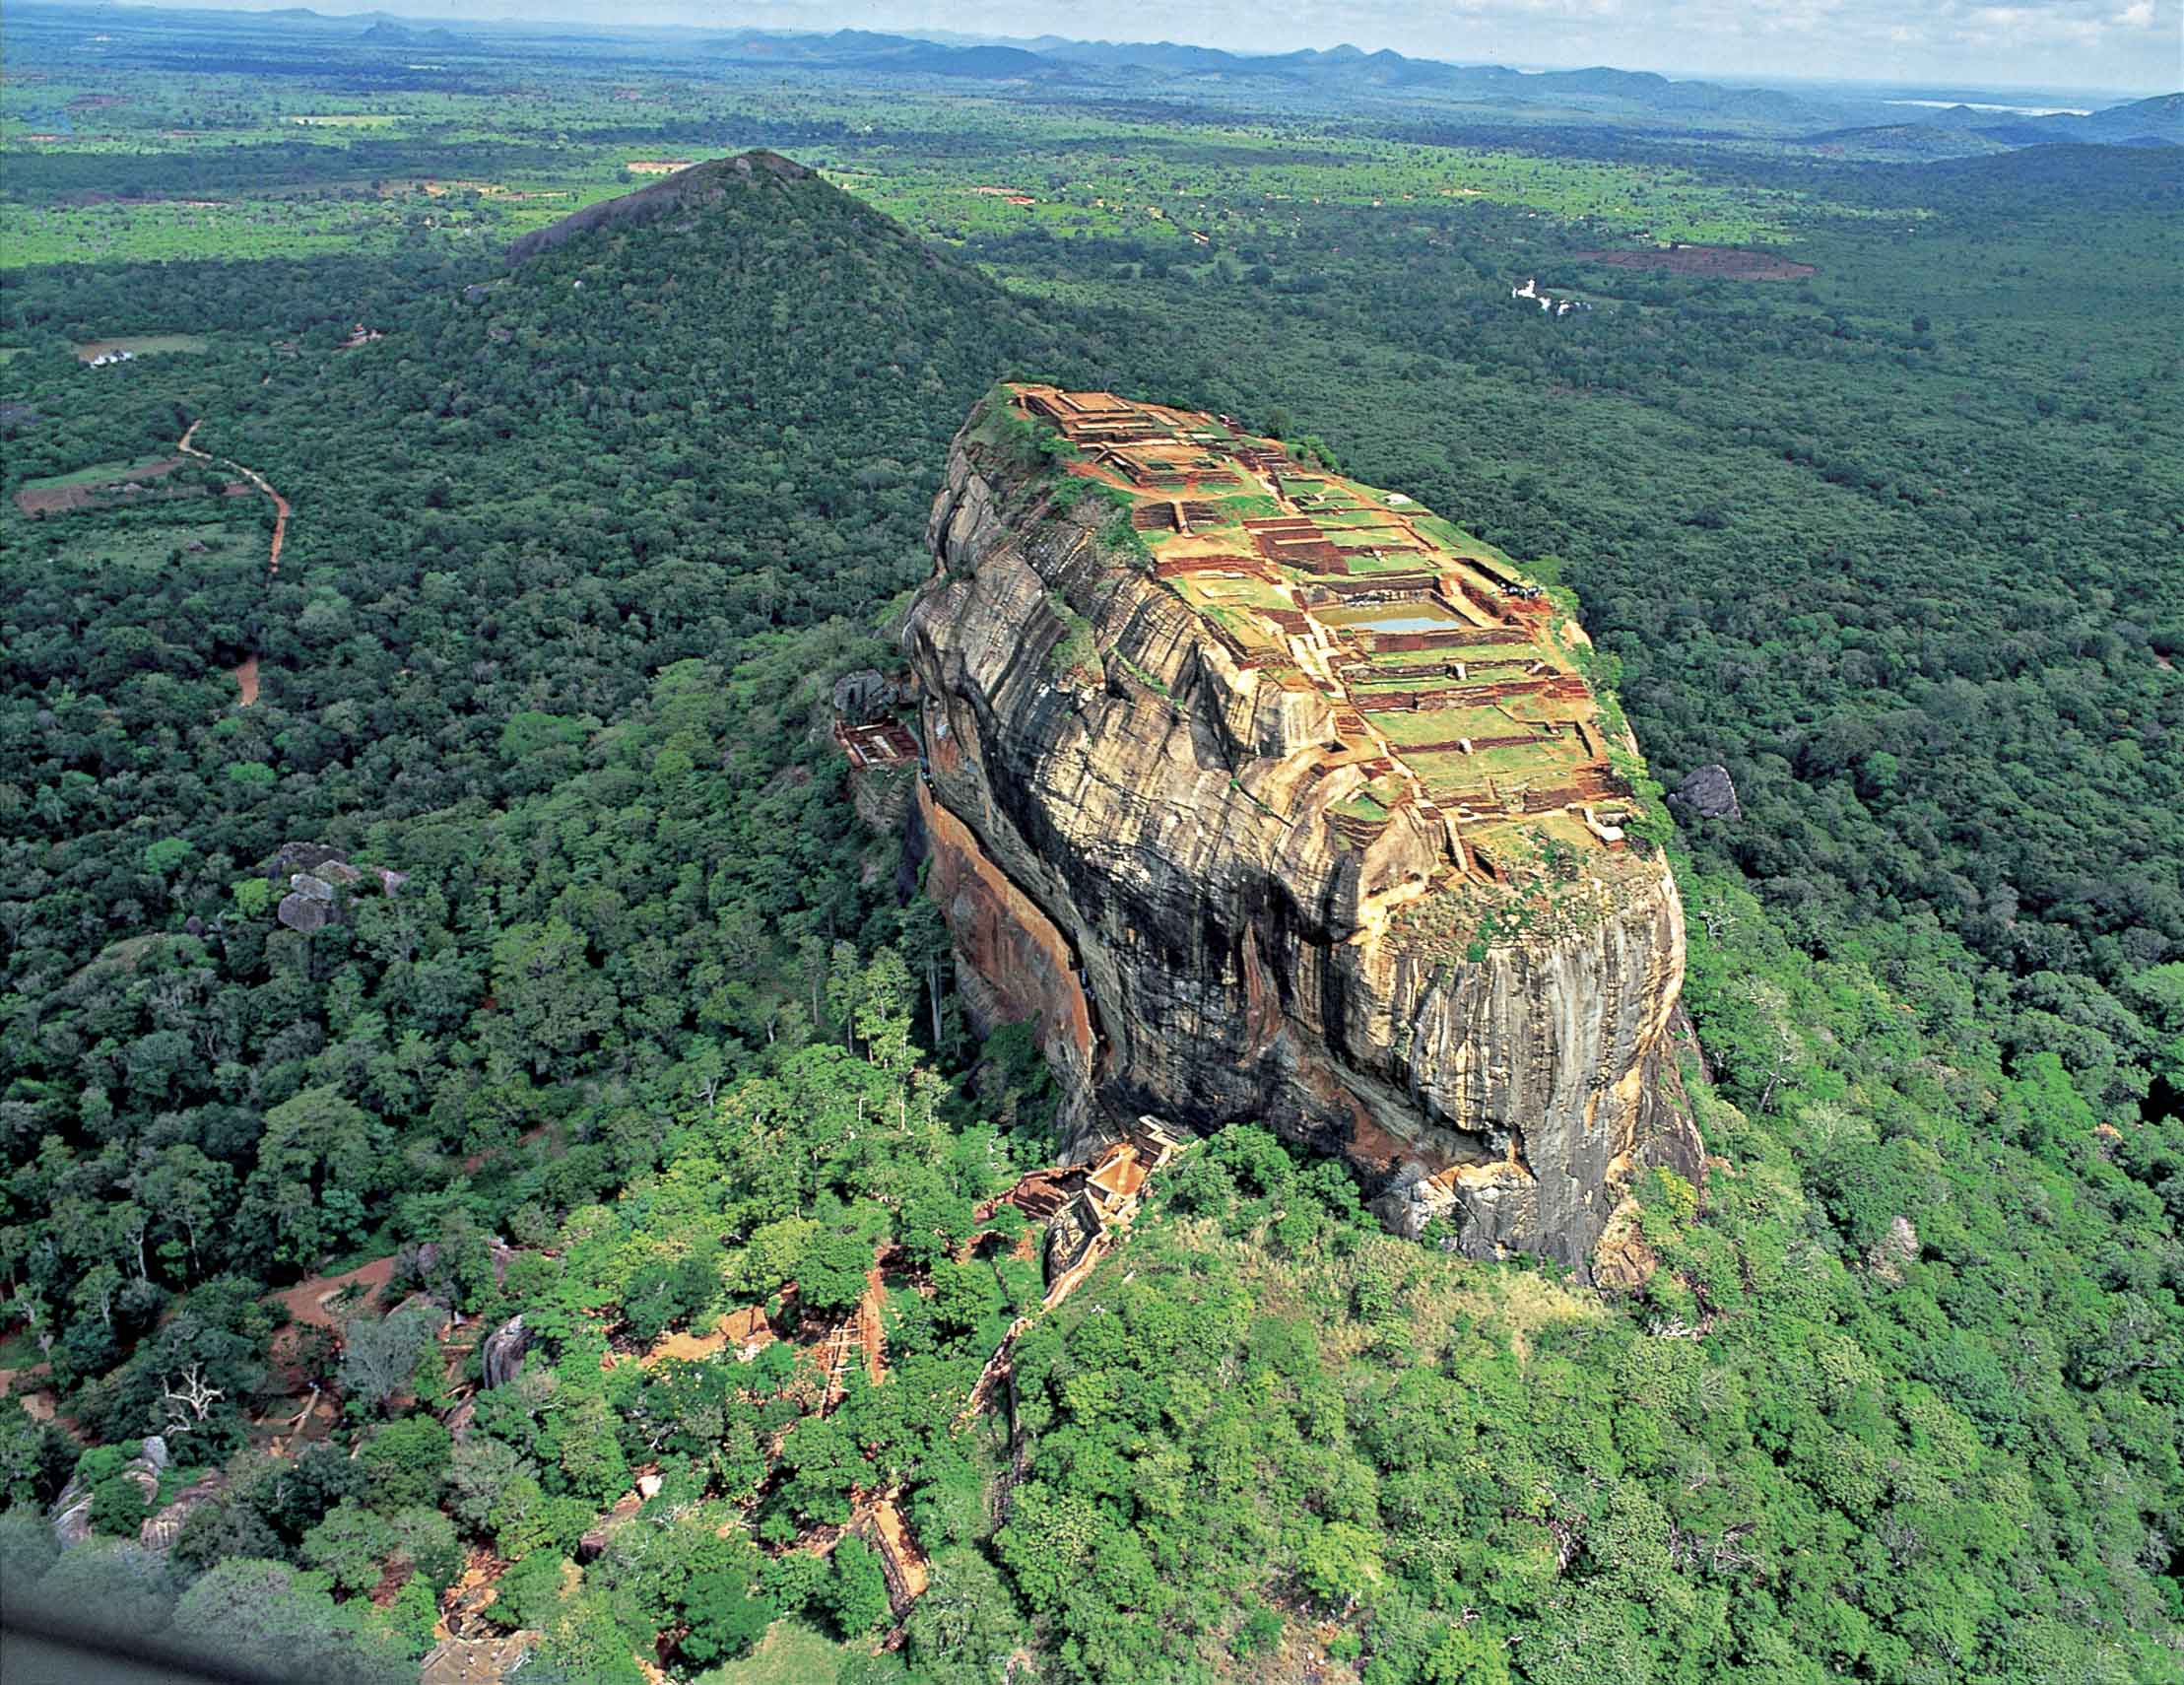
(1450, 687)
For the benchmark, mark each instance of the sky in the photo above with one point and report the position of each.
(2132, 46)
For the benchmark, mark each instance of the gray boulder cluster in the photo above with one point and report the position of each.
(313, 872)
(866, 697)
(1707, 793)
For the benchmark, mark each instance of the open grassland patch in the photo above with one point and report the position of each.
(147, 546)
(140, 345)
(106, 473)
(99, 486)
(1725, 262)
(790, 1653)
(1438, 725)
(1185, 187)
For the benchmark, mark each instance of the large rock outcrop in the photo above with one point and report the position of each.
(1224, 892)
(687, 190)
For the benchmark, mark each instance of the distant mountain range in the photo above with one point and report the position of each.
(1349, 69)
(1953, 131)
(1831, 121)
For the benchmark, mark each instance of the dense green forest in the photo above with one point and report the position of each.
(644, 1028)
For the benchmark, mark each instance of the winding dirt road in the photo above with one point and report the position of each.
(280, 504)
(246, 675)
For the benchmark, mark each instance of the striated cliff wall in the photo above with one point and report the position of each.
(1118, 792)
(1013, 963)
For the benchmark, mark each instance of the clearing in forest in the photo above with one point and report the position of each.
(792, 1652)
(142, 547)
(101, 485)
(1727, 262)
(139, 345)
(311, 1301)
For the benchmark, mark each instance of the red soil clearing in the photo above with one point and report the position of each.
(246, 681)
(307, 1301)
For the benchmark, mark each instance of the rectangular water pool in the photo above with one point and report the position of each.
(1406, 623)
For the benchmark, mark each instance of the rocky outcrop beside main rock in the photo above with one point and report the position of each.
(1196, 940)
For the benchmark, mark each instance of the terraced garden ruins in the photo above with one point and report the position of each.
(1453, 680)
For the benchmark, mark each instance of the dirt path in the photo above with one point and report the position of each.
(912, 1574)
(280, 504)
(246, 675)
(872, 1320)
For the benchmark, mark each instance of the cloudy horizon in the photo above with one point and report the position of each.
(2123, 46)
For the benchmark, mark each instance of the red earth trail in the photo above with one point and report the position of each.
(280, 504)
(246, 675)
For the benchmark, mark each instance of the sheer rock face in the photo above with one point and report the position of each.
(1139, 858)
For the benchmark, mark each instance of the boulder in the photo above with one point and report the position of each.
(502, 1354)
(71, 1510)
(293, 858)
(1707, 793)
(71, 1515)
(866, 697)
(1886, 1256)
(161, 1530)
(314, 872)
(308, 905)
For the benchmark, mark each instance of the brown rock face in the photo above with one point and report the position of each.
(1114, 795)
(1014, 962)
